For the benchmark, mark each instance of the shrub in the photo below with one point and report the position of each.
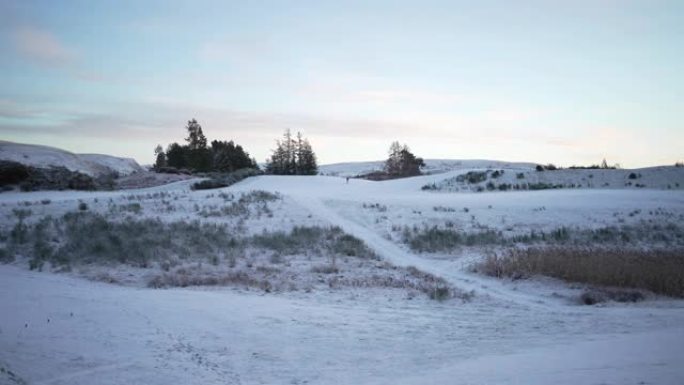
(436, 239)
(134, 207)
(594, 296)
(472, 177)
(220, 180)
(186, 278)
(209, 184)
(90, 238)
(82, 206)
(435, 287)
(60, 178)
(325, 269)
(440, 293)
(6, 256)
(350, 246)
(172, 170)
(548, 167)
(543, 186)
(258, 196)
(377, 206)
(302, 240)
(12, 172)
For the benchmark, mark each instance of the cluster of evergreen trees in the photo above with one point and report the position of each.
(292, 156)
(402, 162)
(197, 156)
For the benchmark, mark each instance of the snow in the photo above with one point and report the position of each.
(525, 332)
(123, 166)
(44, 156)
(120, 335)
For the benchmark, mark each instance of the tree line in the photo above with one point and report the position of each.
(292, 156)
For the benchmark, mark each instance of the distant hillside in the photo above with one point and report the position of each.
(505, 179)
(44, 157)
(474, 175)
(432, 166)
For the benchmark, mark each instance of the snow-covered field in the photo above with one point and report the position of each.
(63, 329)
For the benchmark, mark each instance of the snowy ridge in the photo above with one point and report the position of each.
(443, 173)
(45, 156)
(432, 166)
(123, 166)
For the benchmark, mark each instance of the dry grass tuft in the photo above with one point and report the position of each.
(660, 271)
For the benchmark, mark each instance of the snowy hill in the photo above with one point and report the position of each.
(453, 175)
(44, 157)
(432, 166)
(123, 166)
(504, 179)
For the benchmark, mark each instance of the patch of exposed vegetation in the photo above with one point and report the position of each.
(472, 177)
(221, 180)
(660, 271)
(29, 178)
(446, 239)
(194, 253)
(7, 376)
(253, 201)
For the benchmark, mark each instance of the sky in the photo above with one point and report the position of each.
(564, 82)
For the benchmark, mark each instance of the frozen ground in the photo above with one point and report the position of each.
(59, 329)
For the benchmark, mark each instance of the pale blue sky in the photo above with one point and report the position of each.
(569, 82)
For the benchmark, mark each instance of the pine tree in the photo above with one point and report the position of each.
(290, 153)
(228, 157)
(199, 157)
(393, 163)
(176, 156)
(276, 164)
(306, 161)
(196, 139)
(292, 157)
(160, 157)
(402, 162)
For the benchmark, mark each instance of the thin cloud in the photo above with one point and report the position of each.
(236, 50)
(42, 47)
